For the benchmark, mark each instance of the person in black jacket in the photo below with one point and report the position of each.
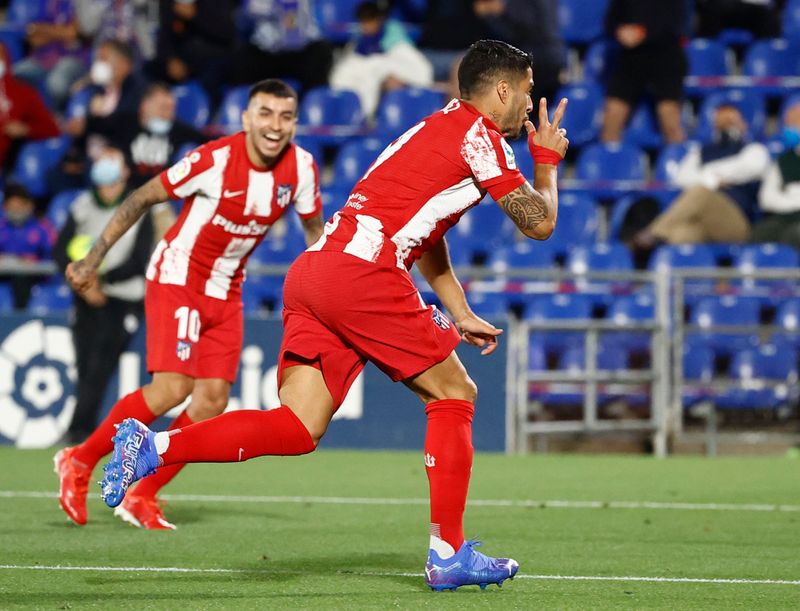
(107, 315)
(650, 61)
(150, 137)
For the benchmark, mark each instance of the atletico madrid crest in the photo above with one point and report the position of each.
(183, 350)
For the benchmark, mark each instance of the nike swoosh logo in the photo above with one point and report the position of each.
(227, 193)
(241, 452)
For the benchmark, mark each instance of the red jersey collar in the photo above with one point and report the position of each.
(486, 120)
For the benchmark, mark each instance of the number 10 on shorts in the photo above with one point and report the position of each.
(188, 324)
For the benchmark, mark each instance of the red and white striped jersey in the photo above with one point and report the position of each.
(229, 206)
(420, 185)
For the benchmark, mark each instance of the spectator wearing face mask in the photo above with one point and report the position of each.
(720, 183)
(23, 237)
(151, 137)
(115, 88)
(109, 313)
(23, 114)
(779, 196)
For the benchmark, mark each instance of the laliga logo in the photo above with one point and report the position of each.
(37, 361)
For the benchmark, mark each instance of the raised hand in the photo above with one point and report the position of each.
(549, 135)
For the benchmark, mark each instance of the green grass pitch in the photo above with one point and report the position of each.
(342, 551)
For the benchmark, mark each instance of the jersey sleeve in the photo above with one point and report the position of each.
(188, 175)
(307, 198)
(491, 160)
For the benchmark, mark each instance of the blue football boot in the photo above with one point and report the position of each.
(134, 457)
(467, 567)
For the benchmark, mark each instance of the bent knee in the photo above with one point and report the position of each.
(207, 407)
(463, 388)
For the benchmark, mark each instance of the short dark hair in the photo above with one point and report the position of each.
(485, 61)
(371, 10)
(272, 86)
(154, 88)
(120, 47)
(14, 189)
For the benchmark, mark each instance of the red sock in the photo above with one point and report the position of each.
(151, 484)
(240, 435)
(448, 462)
(99, 442)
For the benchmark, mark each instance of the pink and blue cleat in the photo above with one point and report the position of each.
(467, 567)
(134, 457)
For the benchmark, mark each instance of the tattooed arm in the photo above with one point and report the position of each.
(534, 212)
(312, 228)
(83, 273)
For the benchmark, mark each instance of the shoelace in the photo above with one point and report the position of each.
(482, 561)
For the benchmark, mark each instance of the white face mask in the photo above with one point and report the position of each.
(101, 72)
(2, 68)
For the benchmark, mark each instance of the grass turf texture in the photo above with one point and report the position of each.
(329, 556)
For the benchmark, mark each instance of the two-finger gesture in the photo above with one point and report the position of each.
(549, 135)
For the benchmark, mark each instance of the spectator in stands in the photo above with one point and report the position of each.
(380, 58)
(720, 184)
(650, 60)
(23, 114)
(779, 196)
(109, 313)
(285, 42)
(23, 237)
(760, 17)
(530, 25)
(149, 138)
(57, 54)
(133, 22)
(116, 88)
(194, 42)
(450, 27)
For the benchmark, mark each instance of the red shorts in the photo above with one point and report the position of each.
(191, 333)
(340, 312)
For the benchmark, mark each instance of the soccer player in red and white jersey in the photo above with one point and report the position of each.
(234, 188)
(350, 299)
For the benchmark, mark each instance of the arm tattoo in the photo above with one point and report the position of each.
(129, 211)
(525, 206)
(312, 228)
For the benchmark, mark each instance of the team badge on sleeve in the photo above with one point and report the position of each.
(179, 171)
(511, 159)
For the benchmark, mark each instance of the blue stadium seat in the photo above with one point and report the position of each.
(34, 161)
(669, 159)
(585, 116)
(313, 146)
(600, 257)
(229, 115)
(488, 305)
(58, 209)
(790, 20)
(6, 298)
(353, 159)
(597, 60)
(522, 155)
(50, 298)
(628, 309)
(722, 311)
(330, 116)
(333, 200)
(669, 257)
(78, 104)
(749, 368)
(21, 12)
(604, 162)
(260, 291)
(527, 254)
(193, 105)
(14, 40)
(578, 220)
(698, 372)
(753, 257)
(735, 37)
(558, 307)
(485, 227)
(750, 104)
(708, 58)
(772, 58)
(581, 21)
(402, 108)
(787, 318)
(336, 18)
(642, 129)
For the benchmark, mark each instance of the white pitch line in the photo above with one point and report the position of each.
(177, 569)
(544, 504)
